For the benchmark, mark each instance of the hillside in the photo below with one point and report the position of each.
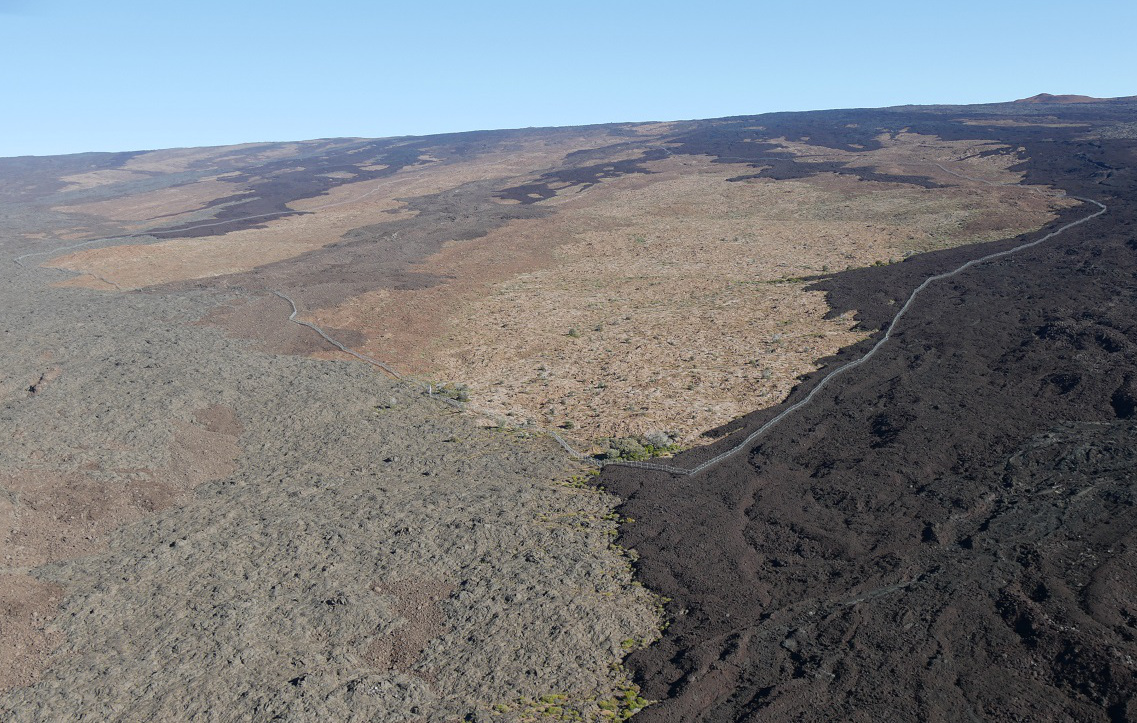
(944, 532)
(214, 510)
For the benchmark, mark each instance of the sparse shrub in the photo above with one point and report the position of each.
(623, 705)
(636, 449)
(572, 332)
(457, 392)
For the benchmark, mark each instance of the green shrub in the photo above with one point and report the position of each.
(457, 392)
(637, 449)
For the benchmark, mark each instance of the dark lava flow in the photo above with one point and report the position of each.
(945, 533)
(380, 255)
(948, 532)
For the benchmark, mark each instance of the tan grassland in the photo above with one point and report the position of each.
(913, 154)
(655, 128)
(669, 301)
(363, 203)
(166, 203)
(1018, 123)
(94, 179)
(173, 161)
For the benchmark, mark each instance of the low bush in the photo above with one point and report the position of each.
(457, 392)
(639, 448)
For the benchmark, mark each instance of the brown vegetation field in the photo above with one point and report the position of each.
(212, 512)
(671, 299)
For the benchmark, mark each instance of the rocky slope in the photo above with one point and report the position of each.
(211, 513)
(945, 533)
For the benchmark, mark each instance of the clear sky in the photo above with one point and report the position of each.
(77, 75)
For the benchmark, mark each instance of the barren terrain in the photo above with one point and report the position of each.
(660, 296)
(211, 513)
(944, 533)
(196, 529)
(260, 529)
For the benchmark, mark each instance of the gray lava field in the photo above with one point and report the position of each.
(210, 515)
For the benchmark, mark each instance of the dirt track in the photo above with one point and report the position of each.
(202, 528)
(197, 529)
(680, 278)
(945, 534)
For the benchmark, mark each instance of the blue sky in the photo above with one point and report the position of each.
(125, 75)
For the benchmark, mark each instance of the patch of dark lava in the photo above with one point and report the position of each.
(380, 255)
(580, 176)
(945, 533)
(27, 179)
(268, 188)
